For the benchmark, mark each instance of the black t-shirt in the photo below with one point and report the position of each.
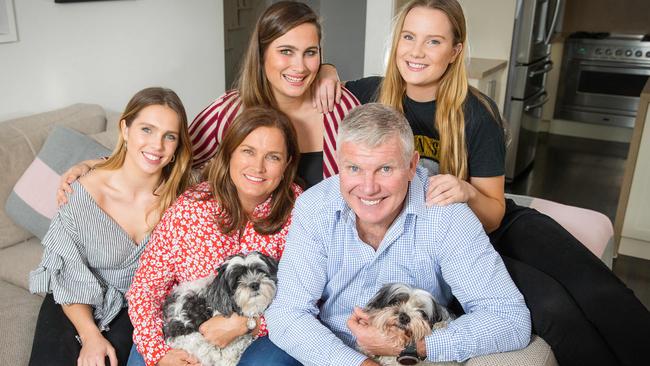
(310, 168)
(483, 135)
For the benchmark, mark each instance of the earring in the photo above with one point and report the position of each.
(173, 158)
(126, 147)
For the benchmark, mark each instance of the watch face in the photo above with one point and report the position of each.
(251, 323)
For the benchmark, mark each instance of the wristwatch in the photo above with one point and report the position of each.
(251, 324)
(409, 355)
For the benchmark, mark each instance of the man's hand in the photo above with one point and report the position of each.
(370, 338)
(177, 357)
(222, 330)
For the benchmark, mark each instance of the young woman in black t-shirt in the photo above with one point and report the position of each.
(577, 304)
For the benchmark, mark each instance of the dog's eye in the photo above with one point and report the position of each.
(424, 315)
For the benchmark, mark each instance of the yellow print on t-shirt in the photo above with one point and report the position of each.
(427, 147)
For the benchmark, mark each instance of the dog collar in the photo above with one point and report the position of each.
(409, 355)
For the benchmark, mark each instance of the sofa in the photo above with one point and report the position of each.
(20, 142)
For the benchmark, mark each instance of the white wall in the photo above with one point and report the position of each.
(103, 52)
(489, 29)
(379, 16)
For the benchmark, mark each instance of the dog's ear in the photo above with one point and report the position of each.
(438, 312)
(382, 298)
(271, 263)
(221, 290)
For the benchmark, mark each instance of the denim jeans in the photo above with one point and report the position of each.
(261, 352)
(135, 359)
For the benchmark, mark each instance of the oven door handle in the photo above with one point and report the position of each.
(544, 98)
(548, 66)
(626, 69)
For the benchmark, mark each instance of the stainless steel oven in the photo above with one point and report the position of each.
(602, 79)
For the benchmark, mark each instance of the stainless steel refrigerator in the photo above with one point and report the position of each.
(535, 21)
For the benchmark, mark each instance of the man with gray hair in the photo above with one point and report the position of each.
(354, 233)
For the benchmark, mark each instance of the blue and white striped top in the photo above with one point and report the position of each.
(88, 258)
(326, 270)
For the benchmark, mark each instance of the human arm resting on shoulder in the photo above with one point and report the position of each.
(94, 347)
(484, 195)
(72, 175)
(326, 89)
(302, 277)
(496, 318)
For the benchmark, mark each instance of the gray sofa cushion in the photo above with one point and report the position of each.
(18, 313)
(18, 260)
(32, 204)
(20, 141)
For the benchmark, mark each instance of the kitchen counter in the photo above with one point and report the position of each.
(632, 226)
(479, 68)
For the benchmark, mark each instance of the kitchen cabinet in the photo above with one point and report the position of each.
(485, 74)
(632, 227)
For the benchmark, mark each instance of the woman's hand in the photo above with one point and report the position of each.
(177, 357)
(94, 350)
(445, 189)
(326, 89)
(69, 177)
(221, 330)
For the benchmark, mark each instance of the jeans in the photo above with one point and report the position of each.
(135, 359)
(261, 352)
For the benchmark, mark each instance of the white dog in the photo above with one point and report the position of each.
(245, 285)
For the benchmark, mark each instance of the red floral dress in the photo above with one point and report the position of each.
(186, 245)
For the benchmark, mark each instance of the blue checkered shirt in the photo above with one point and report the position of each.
(326, 270)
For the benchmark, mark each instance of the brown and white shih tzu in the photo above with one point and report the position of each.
(405, 314)
(244, 285)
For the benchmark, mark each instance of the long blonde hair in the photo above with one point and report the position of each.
(175, 176)
(279, 18)
(452, 88)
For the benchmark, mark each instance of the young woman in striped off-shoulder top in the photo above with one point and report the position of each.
(94, 242)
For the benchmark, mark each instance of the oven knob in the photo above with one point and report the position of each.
(647, 54)
(619, 52)
(628, 53)
(598, 51)
(608, 52)
(638, 53)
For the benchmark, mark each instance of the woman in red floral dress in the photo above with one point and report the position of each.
(243, 205)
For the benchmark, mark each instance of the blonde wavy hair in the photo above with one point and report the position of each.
(452, 89)
(175, 176)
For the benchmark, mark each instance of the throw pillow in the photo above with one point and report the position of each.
(32, 202)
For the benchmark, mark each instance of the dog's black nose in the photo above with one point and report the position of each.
(255, 286)
(404, 318)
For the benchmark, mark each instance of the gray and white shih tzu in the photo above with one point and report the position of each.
(244, 285)
(406, 315)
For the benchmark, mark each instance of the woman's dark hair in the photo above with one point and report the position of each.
(217, 172)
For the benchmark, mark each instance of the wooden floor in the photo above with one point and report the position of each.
(585, 173)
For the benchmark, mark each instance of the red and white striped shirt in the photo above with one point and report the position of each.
(209, 126)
